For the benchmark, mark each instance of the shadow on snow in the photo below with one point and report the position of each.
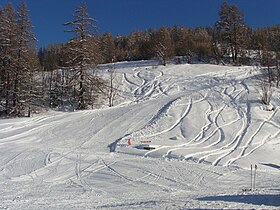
(267, 200)
(271, 165)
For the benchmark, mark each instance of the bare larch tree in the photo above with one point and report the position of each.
(82, 53)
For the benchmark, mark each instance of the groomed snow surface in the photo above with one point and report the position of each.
(195, 130)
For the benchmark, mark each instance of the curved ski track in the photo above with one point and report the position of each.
(215, 142)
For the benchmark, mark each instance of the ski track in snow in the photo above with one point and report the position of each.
(230, 93)
(204, 124)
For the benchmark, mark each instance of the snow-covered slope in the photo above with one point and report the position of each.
(204, 123)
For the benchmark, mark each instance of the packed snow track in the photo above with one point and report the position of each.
(179, 137)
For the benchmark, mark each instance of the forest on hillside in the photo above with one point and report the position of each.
(65, 74)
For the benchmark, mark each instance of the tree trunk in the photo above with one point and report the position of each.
(7, 92)
(81, 90)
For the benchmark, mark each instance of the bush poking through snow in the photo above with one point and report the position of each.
(268, 108)
(266, 93)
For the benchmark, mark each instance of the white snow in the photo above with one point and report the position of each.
(204, 125)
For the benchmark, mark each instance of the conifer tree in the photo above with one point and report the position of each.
(164, 47)
(24, 63)
(107, 48)
(82, 53)
(232, 29)
(8, 38)
(17, 57)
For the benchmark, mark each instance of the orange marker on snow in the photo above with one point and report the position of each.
(129, 142)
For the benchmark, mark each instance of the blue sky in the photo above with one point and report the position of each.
(124, 16)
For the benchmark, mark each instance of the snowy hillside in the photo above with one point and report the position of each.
(195, 130)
